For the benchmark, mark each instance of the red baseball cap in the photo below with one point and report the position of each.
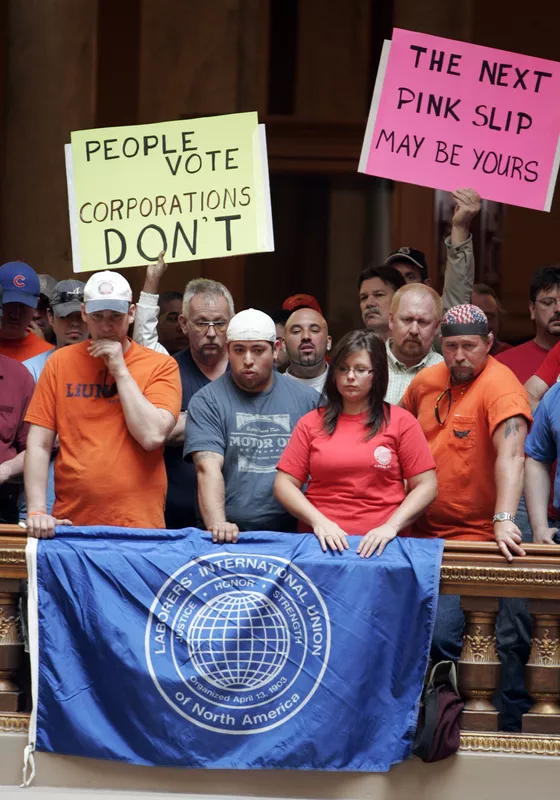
(301, 301)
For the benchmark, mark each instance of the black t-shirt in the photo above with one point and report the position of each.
(180, 507)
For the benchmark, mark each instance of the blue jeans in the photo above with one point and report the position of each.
(514, 627)
(513, 643)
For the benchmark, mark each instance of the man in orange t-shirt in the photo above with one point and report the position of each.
(112, 404)
(21, 287)
(475, 415)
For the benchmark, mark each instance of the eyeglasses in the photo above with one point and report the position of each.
(446, 393)
(69, 297)
(359, 372)
(202, 325)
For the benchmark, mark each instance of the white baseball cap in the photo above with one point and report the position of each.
(251, 325)
(107, 291)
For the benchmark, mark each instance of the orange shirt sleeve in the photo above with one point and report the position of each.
(163, 389)
(509, 399)
(42, 408)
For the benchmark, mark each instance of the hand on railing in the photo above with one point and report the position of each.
(41, 525)
(508, 536)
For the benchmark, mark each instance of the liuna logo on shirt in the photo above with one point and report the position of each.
(383, 457)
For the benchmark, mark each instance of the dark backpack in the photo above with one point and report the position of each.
(438, 734)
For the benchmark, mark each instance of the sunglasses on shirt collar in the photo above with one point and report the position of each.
(109, 391)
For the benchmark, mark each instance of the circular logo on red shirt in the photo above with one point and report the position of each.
(382, 455)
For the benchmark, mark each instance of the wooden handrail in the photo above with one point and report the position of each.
(476, 571)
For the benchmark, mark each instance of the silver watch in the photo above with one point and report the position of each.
(503, 516)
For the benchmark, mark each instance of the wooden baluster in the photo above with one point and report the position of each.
(11, 645)
(479, 666)
(542, 672)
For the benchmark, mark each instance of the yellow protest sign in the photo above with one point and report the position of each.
(194, 188)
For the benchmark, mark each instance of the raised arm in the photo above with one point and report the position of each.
(459, 271)
(509, 442)
(212, 496)
(147, 309)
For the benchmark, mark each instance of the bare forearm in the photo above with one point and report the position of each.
(12, 470)
(177, 436)
(296, 503)
(413, 506)
(211, 496)
(508, 476)
(36, 470)
(537, 493)
(144, 421)
(459, 234)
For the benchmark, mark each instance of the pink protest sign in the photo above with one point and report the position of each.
(447, 114)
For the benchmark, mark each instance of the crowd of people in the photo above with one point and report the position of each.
(177, 412)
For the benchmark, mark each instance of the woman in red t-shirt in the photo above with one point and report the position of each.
(356, 452)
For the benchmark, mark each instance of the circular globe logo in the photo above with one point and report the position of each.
(238, 643)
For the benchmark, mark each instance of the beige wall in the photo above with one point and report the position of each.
(461, 777)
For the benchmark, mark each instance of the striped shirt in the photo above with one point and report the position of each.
(401, 376)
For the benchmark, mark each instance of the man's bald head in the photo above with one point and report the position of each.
(306, 338)
(306, 315)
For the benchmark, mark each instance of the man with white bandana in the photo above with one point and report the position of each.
(237, 428)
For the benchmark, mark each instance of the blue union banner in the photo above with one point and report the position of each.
(161, 648)
(248, 637)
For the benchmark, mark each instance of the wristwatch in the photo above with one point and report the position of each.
(503, 516)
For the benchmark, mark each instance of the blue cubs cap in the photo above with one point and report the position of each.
(20, 283)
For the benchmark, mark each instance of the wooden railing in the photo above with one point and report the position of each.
(475, 571)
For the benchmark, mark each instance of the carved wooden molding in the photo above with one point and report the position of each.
(522, 744)
(478, 648)
(12, 556)
(546, 651)
(14, 723)
(520, 576)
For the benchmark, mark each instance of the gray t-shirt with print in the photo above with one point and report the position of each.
(251, 431)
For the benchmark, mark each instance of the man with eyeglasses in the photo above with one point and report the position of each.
(475, 415)
(207, 310)
(544, 308)
(237, 428)
(112, 404)
(64, 315)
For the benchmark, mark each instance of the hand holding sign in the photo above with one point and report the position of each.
(154, 274)
(467, 206)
